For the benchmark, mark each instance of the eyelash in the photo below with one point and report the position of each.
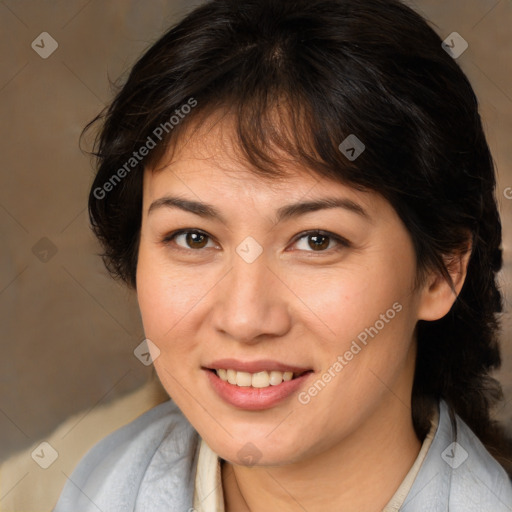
(342, 242)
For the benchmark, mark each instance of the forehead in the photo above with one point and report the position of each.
(206, 160)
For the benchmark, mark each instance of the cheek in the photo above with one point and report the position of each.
(342, 303)
(165, 302)
(365, 315)
(166, 298)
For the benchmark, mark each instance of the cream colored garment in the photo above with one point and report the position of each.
(398, 498)
(26, 487)
(208, 496)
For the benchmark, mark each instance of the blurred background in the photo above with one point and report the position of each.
(68, 330)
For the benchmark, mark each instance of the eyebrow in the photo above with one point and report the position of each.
(285, 212)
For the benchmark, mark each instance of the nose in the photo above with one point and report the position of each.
(251, 303)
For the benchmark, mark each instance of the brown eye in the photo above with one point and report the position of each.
(318, 242)
(196, 240)
(190, 239)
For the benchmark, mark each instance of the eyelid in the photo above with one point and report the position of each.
(168, 238)
(341, 241)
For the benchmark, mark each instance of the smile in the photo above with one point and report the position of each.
(262, 379)
(256, 385)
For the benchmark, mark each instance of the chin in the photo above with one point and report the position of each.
(256, 451)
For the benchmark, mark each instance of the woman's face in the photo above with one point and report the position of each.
(251, 289)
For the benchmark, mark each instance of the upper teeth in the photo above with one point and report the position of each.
(256, 380)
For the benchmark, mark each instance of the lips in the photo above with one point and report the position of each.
(255, 366)
(242, 391)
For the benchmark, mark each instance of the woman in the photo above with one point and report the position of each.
(302, 196)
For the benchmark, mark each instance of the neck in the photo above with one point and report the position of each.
(362, 472)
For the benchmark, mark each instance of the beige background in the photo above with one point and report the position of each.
(67, 330)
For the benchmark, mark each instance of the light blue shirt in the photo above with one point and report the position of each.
(150, 464)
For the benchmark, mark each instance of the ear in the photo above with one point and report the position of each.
(437, 296)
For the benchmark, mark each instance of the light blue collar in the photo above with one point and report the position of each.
(149, 465)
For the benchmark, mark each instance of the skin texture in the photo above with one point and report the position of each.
(354, 442)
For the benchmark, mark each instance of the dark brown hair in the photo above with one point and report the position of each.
(329, 69)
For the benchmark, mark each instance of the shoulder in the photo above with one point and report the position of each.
(482, 480)
(458, 473)
(157, 447)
